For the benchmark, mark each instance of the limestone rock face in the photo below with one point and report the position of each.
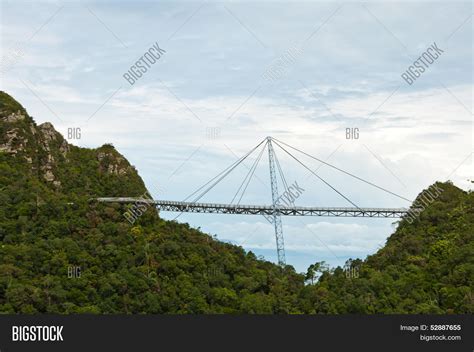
(14, 141)
(18, 116)
(49, 133)
(111, 162)
(47, 155)
(37, 145)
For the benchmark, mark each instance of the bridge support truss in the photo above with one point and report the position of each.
(276, 217)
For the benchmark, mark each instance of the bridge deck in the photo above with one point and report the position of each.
(190, 207)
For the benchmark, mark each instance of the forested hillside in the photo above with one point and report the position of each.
(426, 266)
(48, 225)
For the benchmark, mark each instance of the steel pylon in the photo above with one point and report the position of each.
(276, 217)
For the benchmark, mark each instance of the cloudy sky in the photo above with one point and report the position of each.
(209, 99)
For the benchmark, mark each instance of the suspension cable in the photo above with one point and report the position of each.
(334, 189)
(282, 175)
(347, 173)
(248, 182)
(224, 173)
(248, 173)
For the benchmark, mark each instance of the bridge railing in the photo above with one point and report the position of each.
(167, 205)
